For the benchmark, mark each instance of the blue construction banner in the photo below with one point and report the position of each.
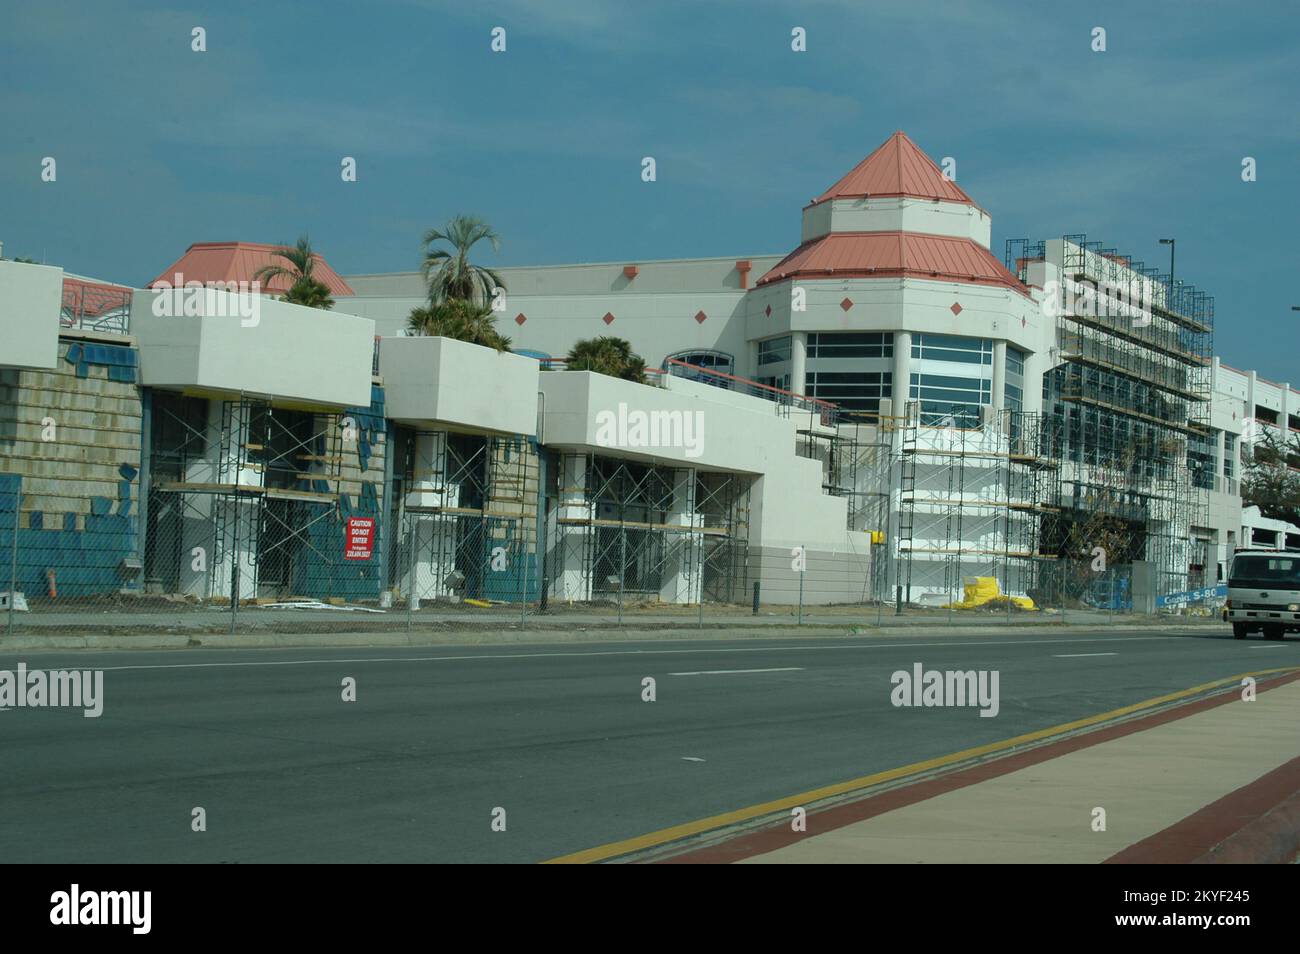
(1202, 595)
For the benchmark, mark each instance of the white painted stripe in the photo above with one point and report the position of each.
(1266, 647)
(1081, 655)
(352, 661)
(732, 672)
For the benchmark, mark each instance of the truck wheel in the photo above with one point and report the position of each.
(1273, 632)
(1238, 630)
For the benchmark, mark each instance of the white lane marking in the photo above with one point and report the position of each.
(691, 758)
(1081, 655)
(732, 672)
(1266, 647)
(612, 652)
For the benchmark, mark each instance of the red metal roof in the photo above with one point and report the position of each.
(897, 168)
(239, 262)
(892, 255)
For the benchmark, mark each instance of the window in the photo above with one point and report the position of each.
(851, 390)
(953, 348)
(714, 360)
(851, 344)
(1015, 398)
(1229, 453)
(1015, 363)
(1200, 460)
(780, 381)
(774, 351)
(1250, 569)
(950, 400)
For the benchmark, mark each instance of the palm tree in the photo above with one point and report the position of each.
(304, 288)
(607, 355)
(311, 293)
(449, 273)
(461, 320)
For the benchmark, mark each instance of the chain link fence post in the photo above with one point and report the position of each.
(13, 561)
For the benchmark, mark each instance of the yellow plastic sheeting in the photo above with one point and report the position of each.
(980, 591)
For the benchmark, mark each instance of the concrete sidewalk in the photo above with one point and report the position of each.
(573, 630)
(1213, 780)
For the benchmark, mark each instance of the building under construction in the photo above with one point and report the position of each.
(250, 498)
(1127, 394)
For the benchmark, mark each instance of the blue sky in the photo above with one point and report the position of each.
(158, 146)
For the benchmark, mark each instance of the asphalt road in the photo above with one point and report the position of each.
(557, 735)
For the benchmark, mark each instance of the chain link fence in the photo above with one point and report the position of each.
(235, 562)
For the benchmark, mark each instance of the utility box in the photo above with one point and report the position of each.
(1144, 587)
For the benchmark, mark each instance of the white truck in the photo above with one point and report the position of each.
(1264, 593)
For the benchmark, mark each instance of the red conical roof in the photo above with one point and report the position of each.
(897, 168)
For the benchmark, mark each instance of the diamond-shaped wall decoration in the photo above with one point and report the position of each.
(700, 316)
(608, 319)
(768, 311)
(520, 318)
(955, 309)
(846, 304)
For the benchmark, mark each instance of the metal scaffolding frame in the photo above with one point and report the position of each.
(467, 526)
(249, 500)
(971, 503)
(1130, 388)
(620, 528)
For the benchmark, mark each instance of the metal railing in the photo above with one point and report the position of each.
(90, 306)
(827, 412)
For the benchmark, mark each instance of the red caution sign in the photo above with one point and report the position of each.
(359, 538)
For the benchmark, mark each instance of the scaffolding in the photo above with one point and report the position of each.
(620, 528)
(971, 502)
(858, 465)
(468, 524)
(1130, 390)
(248, 501)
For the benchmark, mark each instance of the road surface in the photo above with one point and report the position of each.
(556, 735)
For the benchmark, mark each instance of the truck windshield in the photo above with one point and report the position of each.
(1259, 569)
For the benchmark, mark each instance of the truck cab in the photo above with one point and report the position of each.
(1264, 593)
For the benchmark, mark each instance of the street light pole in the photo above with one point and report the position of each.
(1172, 243)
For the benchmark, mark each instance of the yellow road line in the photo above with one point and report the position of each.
(665, 835)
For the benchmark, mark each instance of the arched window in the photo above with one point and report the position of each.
(718, 361)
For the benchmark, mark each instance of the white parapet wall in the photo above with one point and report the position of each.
(439, 382)
(205, 340)
(31, 297)
(683, 425)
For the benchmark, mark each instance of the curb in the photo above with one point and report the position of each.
(488, 636)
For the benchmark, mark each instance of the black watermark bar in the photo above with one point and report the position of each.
(218, 903)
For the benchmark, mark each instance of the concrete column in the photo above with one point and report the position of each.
(1284, 419)
(798, 361)
(571, 531)
(1250, 403)
(431, 540)
(682, 572)
(999, 375)
(1035, 368)
(902, 370)
(219, 531)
